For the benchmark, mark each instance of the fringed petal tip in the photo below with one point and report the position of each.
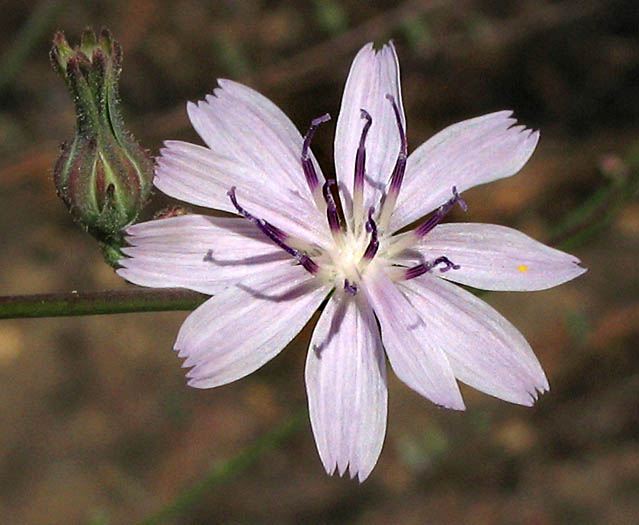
(184, 356)
(333, 469)
(194, 381)
(190, 364)
(578, 269)
(484, 350)
(457, 404)
(464, 155)
(531, 397)
(573, 272)
(529, 393)
(195, 376)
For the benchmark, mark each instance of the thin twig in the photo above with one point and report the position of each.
(105, 302)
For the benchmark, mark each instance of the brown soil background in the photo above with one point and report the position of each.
(97, 424)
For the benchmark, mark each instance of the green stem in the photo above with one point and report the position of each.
(106, 302)
(224, 471)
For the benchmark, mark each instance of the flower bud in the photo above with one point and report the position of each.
(103, 175)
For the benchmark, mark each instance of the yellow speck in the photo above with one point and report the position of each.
(522, 268)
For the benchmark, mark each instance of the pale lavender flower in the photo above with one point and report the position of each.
(270, 270)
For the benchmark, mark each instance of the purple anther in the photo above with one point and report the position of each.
(397, 176)
(449, 265)
(307, 163)
(349, 288)
(360, 158)
(371, 228)
(439, 215)
(274, 234)
(460, 201)
(420, 269)
(331, 208)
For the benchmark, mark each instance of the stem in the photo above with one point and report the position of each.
(106, 302)
(224, 471)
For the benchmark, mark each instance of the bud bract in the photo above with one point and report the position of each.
(103, 175)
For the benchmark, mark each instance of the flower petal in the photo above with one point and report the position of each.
(495, 257)
(251, 145)
(484, 349)
(237, 331)
(239, 123)
(346, 385)
(205, 254)
(420, 364)
(464, 155)
(373, 75)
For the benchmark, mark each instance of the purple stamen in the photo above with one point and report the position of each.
(421, 269)
(400, 165)
(371, 228)
(331, 208)
(350, 289)
(271, 231)
(307, 163)
(275, 234)
(439, 215)
(360, 158)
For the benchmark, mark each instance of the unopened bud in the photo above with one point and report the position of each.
(103, 175)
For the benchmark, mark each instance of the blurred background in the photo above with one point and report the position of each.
(98, 425)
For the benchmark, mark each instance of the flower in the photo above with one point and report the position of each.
(291, 250)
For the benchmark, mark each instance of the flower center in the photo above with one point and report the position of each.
(356, 242)
(347, 261)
